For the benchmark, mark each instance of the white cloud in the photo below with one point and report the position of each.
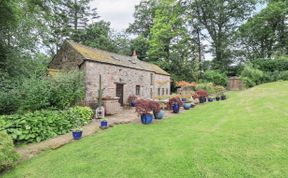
(118, 12)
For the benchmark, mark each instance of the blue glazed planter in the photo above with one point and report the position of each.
(77, 135)
(183, 99)
(210, 99)
(187, 106)
(133, 104)
(223, 97)
(146, 118)
(175, 108)
(202, 99)
(103, 124)
(159, 115)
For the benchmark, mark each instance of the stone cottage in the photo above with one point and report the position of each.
(121, 75)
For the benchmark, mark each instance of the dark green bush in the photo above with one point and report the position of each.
(271, 65)
(41, 125)
(215, 77)
(274, 76)
(251, 76)
(8, 155)
(42, 92)
(67, 89)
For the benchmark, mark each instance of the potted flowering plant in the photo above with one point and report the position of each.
(132, 100)
(174, 103)
(77, 131)
(103, 123)
(143, 108)
(157, 111)
(202, 94)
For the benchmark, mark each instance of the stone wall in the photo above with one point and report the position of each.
(112, 74)
(66, 59)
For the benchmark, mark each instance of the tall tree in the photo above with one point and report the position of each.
(266, 33)
(220, 19)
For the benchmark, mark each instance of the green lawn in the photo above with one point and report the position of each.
(244, 136)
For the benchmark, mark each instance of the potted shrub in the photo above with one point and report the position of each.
(132, 100)
(103, 123)
(158, 112)
(77, 133)
(223, 97)
(217, 98)
(174, 103)
(143, 108)
(202, 94)
(210, 99)
(187, 105)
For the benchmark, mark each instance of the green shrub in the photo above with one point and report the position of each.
(42, 92)
(8, 155)
(41, 125)
(251, 76)
(271, 65)
(209, 87)
(215, 77)
(67, 89)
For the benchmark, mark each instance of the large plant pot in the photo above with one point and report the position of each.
(175, 108)
(77, 135)
(210, 99)
(202, 99)
(146, 118)
(187, 106)
(133, 103)
(217, 98)
(223, 97)
(159, 115)
(103, 124)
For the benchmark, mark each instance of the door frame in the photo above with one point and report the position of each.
(121, 99)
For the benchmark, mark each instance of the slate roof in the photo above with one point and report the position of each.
(102, 56)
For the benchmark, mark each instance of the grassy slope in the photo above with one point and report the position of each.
(244, 136)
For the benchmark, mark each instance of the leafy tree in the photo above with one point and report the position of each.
(220, 19)
(265, 34)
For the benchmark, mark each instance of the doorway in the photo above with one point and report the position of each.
(120, 92)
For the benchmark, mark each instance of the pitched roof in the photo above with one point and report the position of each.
(102, 56)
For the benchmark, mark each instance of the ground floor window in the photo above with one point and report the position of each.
(163, 91)
(159, 90)
(137, 89)
(167, 91)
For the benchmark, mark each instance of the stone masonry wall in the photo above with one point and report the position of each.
(112, 74)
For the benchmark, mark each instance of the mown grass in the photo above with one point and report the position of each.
(244, 136)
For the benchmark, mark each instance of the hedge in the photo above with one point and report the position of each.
(270, 65)
(41, 125)
(8, 155)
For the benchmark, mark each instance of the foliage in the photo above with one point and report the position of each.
(251, 76)
(274, 76)
(42, 92)
(271, 65)
(174, 100)
(265, 34)
(209, 87)
(201, 93)
(215, 77)
(43, 124)
(8, 155)
(155, 106)
(219, 19)
(143, 106)
(186, 84)
(132, 98)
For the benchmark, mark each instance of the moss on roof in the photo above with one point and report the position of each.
(112, 58)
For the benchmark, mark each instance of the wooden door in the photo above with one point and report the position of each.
(120, 92)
